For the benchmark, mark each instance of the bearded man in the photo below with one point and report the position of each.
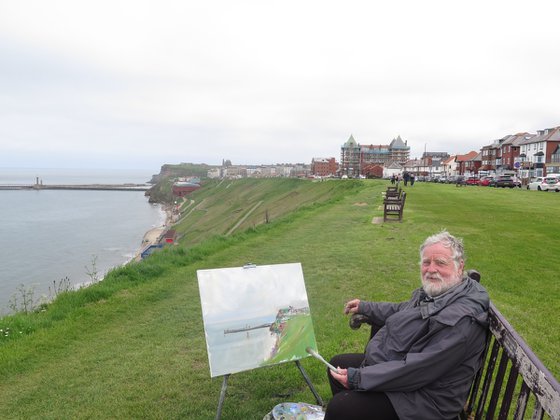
(421, 362)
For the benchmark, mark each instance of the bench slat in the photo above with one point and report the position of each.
(522, 402)
(538, 412)
(477, 379)
(508, 394)
(534, 373)
(487, 380)
(498, 381)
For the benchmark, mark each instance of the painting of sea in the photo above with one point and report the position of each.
(254, 316)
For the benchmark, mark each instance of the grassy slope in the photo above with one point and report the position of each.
(220, 206)
(133, 346)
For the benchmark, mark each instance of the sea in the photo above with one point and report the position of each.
(53, 237)
(240, 351)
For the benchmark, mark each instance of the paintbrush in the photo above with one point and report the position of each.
(318, 357)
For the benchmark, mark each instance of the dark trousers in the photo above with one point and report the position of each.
(348, 404)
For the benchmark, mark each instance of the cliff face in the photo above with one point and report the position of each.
(199, 170)
(161, 191)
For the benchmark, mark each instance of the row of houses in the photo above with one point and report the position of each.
(523, 154)
(261, 171)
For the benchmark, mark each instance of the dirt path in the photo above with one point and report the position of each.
(243, 218)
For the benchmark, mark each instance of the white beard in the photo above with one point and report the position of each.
(434, 284)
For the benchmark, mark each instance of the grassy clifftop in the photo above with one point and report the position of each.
(230, 206)
(133, 346)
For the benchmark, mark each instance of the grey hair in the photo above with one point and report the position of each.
(448, 241)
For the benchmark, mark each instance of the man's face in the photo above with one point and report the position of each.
(439, 271)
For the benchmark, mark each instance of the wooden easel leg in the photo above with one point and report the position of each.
(311, 387)
(222, 397)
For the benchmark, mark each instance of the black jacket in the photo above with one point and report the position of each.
(427, 352)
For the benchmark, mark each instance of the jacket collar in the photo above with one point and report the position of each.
(469, 298)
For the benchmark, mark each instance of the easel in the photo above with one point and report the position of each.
(228, 278)
(303, 373)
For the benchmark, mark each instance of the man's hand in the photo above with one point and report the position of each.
(341, 376)
(351, 307)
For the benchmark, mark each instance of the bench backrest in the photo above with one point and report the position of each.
(511, 371)
(393, 192)
(395, 199)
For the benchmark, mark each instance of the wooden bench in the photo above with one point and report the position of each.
(509, 371)
(393, 192)
(393, 208)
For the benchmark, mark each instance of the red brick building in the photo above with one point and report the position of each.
(469, 163)
(182, 188)
(324, 166)
(510, 151)
(373, 171)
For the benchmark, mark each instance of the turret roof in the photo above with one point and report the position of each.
(351, 142)
(398, 143)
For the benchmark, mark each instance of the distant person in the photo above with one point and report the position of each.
(412, 179)
(406, 177)
(421, 363)
(393, 179)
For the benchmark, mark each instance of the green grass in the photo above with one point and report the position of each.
(294, 339)
(133, 345)
(228, 206)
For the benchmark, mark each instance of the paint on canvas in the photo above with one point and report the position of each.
(254, 316)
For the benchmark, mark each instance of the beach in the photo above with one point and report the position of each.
(153, 236)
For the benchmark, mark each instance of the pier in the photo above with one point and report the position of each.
(98, 187)
(247, 328)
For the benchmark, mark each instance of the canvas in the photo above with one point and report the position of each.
(255, 316)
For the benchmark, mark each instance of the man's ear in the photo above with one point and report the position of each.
(461, 266)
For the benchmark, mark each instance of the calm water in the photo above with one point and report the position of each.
(47, 235)
(236, 352)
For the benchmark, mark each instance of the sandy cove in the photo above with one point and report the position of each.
(153, 236)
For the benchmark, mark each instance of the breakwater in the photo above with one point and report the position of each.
(94, 187)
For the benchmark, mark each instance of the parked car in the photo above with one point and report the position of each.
(535, 183)
(542, 183)
(504, 181)
(460, 180)
(486, 181)
(553, 183)
(472, 180)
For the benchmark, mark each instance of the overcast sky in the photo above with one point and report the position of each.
(122, 83)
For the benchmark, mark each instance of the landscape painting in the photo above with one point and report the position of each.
(254, 316)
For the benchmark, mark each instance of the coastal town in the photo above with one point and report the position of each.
(523, 155)
(517, 158)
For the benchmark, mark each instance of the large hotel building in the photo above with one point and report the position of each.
(358, 159)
